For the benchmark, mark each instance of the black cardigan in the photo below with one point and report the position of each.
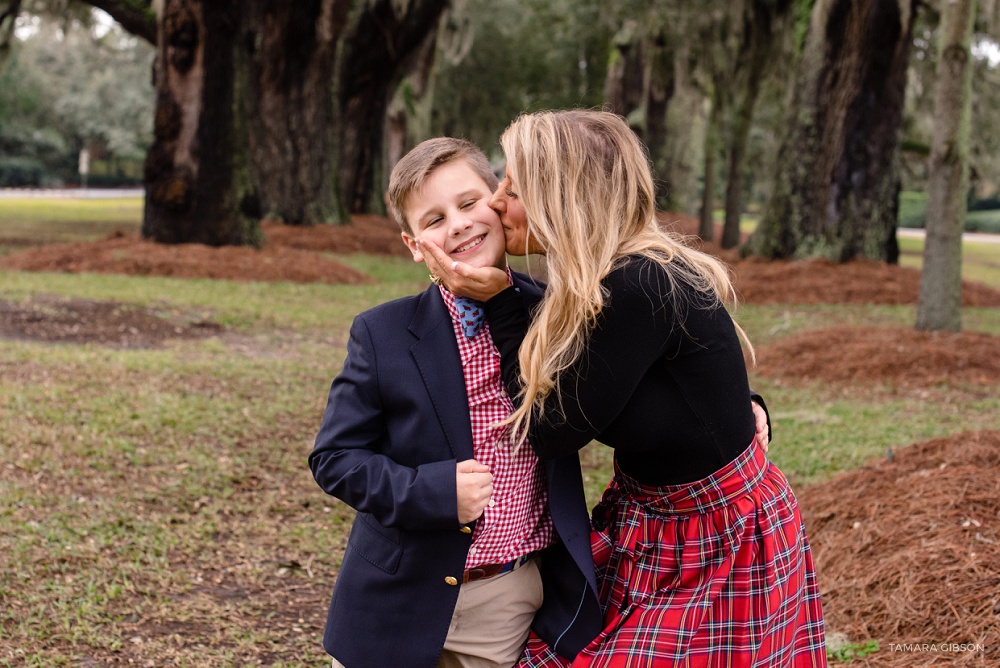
(668, 390)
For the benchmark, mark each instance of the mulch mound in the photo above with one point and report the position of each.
(908, 551)
(128, 254)
(761, 281)
(900, 356)
(822, 282)
(376, 235)
(296, 254)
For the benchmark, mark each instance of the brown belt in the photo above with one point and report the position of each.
(490, 570)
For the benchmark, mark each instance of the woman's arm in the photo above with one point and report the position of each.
(632, 332)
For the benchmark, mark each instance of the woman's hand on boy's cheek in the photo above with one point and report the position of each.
(460, 278)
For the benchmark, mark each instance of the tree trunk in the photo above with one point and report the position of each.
(737, 156)
(658, 83)
(9, 11)
(289, 53)
(706, 228)
(939, 305)
(763, 26)
(835, 194)
(189, 169)
(686, 125)
(623, 84)
(383, 36)
(408, 120)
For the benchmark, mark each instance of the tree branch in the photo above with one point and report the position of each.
(135, 16)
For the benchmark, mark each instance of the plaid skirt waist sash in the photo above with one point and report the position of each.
(720, 489)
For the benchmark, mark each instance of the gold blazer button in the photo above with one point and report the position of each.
(466, 529)
(450, 580)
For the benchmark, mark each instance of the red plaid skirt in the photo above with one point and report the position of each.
(716, 572)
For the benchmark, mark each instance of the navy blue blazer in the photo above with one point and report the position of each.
(396, 424)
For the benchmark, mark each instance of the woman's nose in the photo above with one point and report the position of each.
(497, 202)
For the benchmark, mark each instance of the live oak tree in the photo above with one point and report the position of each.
(286, 103)
(836, 190)
(762, 30)
(383, 37)
(286, 57)
(190, 172)
(940, 300)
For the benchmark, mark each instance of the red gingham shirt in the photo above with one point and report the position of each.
(516, 520)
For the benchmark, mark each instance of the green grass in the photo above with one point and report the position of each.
(29, 221)
(155, 505)
(980, 261)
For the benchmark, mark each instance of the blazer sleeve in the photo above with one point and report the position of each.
(349, 460)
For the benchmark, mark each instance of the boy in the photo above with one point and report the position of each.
(442, 567)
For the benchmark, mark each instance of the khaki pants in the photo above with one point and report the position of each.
(490, 625)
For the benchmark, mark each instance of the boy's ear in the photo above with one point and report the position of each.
(411, 243)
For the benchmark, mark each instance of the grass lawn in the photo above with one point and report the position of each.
(33, 220)
(156, 506)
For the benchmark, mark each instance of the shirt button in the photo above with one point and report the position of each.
(451, 581)
(472, 550)
(466, 529)
(492, 503)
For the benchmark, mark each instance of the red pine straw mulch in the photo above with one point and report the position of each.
(366, 234)
(819, 281)
(900, 356)
(127, 254)
(823, 282)
(908, 551)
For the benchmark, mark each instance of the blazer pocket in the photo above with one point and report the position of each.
(376, 544)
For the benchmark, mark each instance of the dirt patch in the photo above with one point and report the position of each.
(908, 551)
(59, 320)
(900, 356)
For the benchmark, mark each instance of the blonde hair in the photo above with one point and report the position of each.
(415, 167)
(585, 182)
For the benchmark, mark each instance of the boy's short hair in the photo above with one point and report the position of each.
(413, 169)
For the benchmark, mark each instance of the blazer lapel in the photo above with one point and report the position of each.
(436, 355)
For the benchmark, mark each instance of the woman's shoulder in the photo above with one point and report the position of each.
(638, 272)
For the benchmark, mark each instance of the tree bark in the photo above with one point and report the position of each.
(288, 53)
(835, 194)
(9, 10)
(763, 25)
(624, 81)
(189, 170)
(940, 301)
(686, 124)
(706, 227)
(408, 120)
(383, 36)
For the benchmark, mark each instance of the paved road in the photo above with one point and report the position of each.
(71, 193)
(978, 237)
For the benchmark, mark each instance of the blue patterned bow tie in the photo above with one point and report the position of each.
(470, 315)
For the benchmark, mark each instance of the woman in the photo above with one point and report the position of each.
(701, 555)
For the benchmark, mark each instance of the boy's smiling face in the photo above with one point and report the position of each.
(452, 210)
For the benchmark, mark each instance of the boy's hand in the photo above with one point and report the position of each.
(474, 483)
(763, 435)
(463, 279)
